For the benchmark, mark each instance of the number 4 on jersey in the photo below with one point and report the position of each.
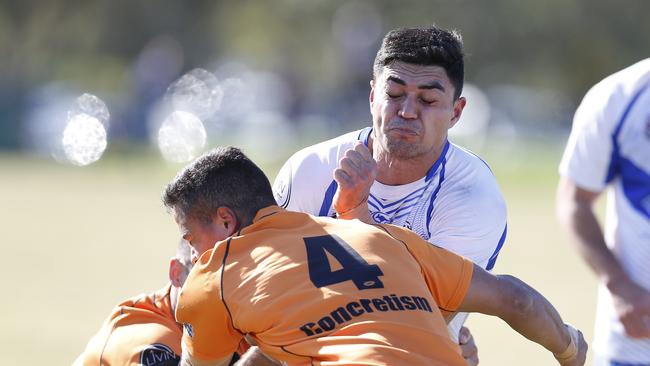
(354, 268)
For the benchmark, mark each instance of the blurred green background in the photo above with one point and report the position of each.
(83, 223)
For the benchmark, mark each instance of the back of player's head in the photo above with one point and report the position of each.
(429, 46)
(222, 177)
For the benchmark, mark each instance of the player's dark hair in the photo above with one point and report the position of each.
(429, 46)
(221, 177)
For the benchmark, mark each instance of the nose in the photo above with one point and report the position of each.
(408, 108)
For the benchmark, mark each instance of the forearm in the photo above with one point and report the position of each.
(531, 315)
(589, 240)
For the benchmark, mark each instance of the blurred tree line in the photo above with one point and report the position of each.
(322, 48)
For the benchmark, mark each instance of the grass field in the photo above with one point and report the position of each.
(78, 240)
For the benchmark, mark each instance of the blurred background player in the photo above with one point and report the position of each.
(404, 170)
(270, 276)
(609, 146)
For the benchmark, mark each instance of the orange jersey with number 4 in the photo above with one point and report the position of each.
(320, 291)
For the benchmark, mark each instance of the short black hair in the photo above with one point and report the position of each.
(424, 46)
(221, 177)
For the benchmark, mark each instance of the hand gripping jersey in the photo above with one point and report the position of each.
(139, 331)
(457, 205)
(609, 146)
(320, 291)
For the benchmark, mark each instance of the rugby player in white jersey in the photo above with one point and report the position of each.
(609, 147)
(403, 170)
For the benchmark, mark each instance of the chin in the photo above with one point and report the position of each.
(403, 150)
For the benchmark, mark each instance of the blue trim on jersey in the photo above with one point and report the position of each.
(364, 135)
(397, 210)
(403, 199)
(636, 186)
(616, 363)
(327, 201)
(401, 208)
(435, 165)
(635, 181)
(435, 193)
(373, 205)
(400, 216)
(613, 163)
(493, 259)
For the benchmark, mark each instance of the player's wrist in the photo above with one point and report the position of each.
(357, 211)
(571, 349)
(619, 284)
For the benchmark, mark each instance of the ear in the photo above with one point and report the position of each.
(226, 219)
(459, 105)
(175, 272)
(371, 98)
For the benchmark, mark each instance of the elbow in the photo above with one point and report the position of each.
(521, 300)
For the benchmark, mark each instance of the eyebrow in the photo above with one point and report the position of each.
(432, 85)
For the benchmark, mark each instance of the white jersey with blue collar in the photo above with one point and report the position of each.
(457, 205)
(609, 147)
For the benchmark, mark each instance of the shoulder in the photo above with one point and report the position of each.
(324, 153)
(203, 284)
(134, 335)
(146, 343)
(606, 101)
(409, 238)
(307, 174)
(469, 176)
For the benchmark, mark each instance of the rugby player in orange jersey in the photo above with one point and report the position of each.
(320, 291)
(142, 330)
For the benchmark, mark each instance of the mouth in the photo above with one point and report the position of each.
(403, 131)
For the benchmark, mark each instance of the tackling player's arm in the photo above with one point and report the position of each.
(459, 285)
(575, 209)
(527, 312)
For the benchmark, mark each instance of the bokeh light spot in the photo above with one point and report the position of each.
(84, 139)
(181, 137)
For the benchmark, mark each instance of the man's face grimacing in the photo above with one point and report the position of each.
(413, 107)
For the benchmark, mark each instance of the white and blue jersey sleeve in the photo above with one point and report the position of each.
(588, 154)
(305, 181)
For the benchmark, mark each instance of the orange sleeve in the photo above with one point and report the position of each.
(448, 275)
(209, 333)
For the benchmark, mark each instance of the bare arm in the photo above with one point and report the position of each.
(575, 211)
(526, 311)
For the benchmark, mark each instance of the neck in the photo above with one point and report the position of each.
(395, 171)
